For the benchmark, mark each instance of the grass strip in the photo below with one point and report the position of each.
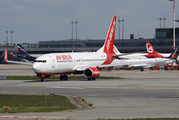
(34, 103)
(73, 77)
(142, 119)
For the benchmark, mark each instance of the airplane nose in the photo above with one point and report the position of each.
(36, 67)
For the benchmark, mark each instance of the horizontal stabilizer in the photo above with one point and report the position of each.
(16, 62)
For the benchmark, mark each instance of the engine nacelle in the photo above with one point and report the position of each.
(91, 72)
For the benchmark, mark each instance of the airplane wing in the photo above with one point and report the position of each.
(143, 65)
(27, 61)
(16, 62)
(125, 65)
(81, 68)
(140, 65)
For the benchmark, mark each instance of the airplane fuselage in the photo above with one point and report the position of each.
(145, 63)
(63, 63)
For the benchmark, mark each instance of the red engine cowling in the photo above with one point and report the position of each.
(91, 72)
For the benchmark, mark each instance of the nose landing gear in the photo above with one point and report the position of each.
(42, 79)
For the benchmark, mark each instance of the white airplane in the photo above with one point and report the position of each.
(145, 63)
(86, 63)
(152, 53)
(136, 55)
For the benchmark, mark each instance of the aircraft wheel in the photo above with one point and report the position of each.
(89, 79)
(61, 77)
(42, 79)
(93, 79)
(142, 69)
(65, 77)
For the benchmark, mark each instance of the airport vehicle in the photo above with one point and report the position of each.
(86, 63)
(145, 63)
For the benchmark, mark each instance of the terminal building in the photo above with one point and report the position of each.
(163, 42)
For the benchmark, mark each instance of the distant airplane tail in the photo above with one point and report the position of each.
(5, 56)
(109, 42)
(116, 51)
(151, 52)
(21, 49)
(23, 54)
(150, 49)
(173, 55)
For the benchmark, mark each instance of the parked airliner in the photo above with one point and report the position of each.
(145, 63)
(75, 63)
(153, 54)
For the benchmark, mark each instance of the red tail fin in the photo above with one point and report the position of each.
(5, 56)
(109, 43)
(151, 52)
(150, 49)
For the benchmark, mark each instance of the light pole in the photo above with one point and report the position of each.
(119, 26)
(76, 34)
(173, 23)
(119, 31)
(11, 36)
(123, 30)
(6, 37)
(72, 34)
(164, 20)
(160, 20)
(164, 28)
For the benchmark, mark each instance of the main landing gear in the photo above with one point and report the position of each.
(63, 77)
(93, 79)
(142, 69)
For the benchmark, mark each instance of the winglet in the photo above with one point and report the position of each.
(5, 56)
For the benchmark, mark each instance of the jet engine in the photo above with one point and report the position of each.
(91, 73)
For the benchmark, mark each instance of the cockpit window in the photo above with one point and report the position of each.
(43, 61)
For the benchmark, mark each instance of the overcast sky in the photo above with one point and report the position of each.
(40, 20)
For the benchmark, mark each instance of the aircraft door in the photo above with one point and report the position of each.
(53, 61)
(80, 61)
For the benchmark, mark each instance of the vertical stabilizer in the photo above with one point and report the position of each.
(151, 52)
(109, 42)
(5, 56)
(173, 55)
(21, 49)
(150, 49)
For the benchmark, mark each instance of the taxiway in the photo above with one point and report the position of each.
(139, 95)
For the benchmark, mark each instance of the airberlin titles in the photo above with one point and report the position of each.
(63, 57)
